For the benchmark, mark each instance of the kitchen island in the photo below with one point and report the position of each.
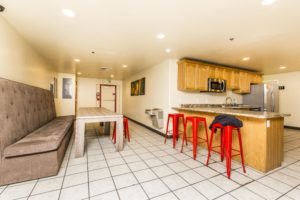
(262, 134)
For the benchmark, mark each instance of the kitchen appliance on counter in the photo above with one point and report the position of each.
(265, 96)
(216, 85)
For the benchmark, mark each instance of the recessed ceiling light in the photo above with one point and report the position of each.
(160, 36)
(246, 59)
(124, 66)
(77, 60)
(168, 50)
(68, 12)
(79, 73)
(267, 2)
(282, 67)
(111, 76)
(104, 68)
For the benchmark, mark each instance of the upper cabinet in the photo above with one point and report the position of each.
(193, 76)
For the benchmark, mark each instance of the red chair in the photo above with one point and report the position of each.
(226, 146)
(125, 129)
(175, 120)
(195, 124)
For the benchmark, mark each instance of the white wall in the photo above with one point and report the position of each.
(20, 62)
(289, 97)
(87, 88)
(161, 92)
(65, 106)
(156, 94)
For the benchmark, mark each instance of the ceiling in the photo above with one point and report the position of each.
(124, 32)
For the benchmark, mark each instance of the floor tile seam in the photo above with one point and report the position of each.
(72, 145)
(88, 177)
(267, 174)
(159, 177)
(109, 169)
(285, 194)
(137, 178)
(255, 192)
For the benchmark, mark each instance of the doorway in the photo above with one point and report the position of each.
(108, 97)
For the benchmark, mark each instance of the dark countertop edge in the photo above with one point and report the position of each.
(251, 114)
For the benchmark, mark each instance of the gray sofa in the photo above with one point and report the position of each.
(33, 140)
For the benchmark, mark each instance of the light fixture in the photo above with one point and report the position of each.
(2, 8)
(77, 60)
(111, 76)
(124, 66)
(160, 36)
(267, 2)
(68, 12)
(246, 59)
(79, 73)
(282, 67)
(168, 50)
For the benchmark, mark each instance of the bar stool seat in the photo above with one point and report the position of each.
(125, 129)
(175, 122)
(195, 124)
(226, 146)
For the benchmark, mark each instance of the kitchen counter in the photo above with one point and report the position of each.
(262, 134)
(235, 112)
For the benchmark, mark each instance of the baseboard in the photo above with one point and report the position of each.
(292, 127)
(149, 128)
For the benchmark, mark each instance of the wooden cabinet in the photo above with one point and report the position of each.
(193, 76)
(233, 80)
(244, 83)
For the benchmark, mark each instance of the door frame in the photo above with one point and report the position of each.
(108, 85)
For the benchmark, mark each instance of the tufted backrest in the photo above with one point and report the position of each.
(23, 109)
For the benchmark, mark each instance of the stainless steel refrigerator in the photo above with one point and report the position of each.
(263, 96)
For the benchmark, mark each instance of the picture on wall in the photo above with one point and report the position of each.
(138, 87)
(53, 87)
(67, 88)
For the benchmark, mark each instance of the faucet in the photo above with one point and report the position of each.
(226, 101)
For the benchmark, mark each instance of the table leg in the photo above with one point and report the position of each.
(79, 138)
(120, 134)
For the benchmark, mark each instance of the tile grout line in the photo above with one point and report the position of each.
(108, 167)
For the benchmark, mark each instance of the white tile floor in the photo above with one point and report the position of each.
(149, 169)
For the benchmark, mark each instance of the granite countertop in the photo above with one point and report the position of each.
(235, 112)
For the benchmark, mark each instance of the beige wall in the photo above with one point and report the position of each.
(87, 88)
(65, 106)
(289, 97)
(20, 62)
(161, 92)
(156, 93)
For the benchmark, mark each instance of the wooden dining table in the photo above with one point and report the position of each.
(93, 115)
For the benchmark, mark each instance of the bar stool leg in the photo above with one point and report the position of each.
(210, 145)
(205, 125)
(184, 135)
(228, 146)
(175, 130)
(241, 149)
(167, 129)
(195, 138)
(222, 144)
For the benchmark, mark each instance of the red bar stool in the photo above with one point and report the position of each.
(226, 145)
(125, 129)
(195, 123)
(175, 120)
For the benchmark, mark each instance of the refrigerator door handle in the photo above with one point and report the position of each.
(273, 102)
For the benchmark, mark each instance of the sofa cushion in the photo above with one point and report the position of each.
(47, 138)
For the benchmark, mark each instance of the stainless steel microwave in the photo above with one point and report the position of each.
(216, 85)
